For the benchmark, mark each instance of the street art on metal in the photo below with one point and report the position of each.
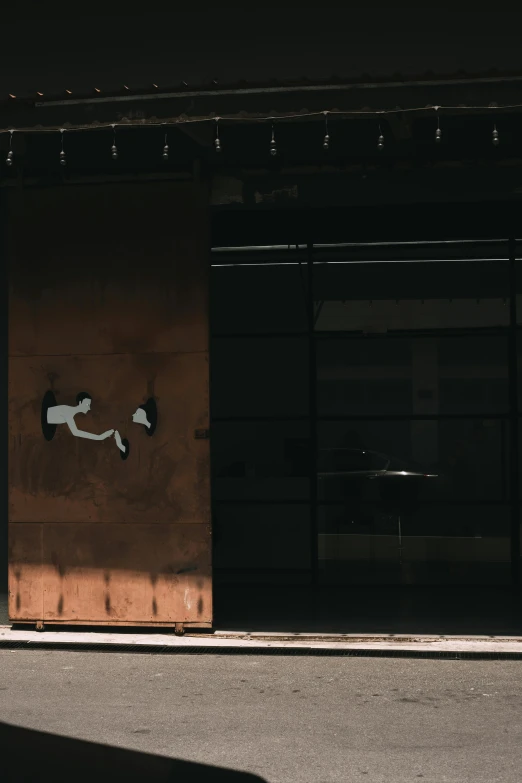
(147, 414)
(123, 445)
(54, 414)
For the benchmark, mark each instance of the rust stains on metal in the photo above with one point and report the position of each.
(121, 314)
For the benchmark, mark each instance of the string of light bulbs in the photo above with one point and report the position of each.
(272, 118)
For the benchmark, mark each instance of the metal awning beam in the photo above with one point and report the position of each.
(280, 90)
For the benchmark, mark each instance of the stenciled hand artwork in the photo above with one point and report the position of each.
(65, 414)
(53, 415)
(122, 444)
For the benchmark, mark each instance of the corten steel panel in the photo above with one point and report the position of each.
(108, 295)
(68, 479)
(142, 574)
(26, 572)
(122, 573)
(108, 270)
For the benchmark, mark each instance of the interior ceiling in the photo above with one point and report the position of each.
(80, 50)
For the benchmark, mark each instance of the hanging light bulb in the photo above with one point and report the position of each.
(273, 145)
(438, 132)
(217, 142)
(9, 159)
(165, 154)
(114, 148)
(63, 160)
(495, 138)
(380, 140)
(326, 140)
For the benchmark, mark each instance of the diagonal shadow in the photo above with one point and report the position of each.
(36, 756)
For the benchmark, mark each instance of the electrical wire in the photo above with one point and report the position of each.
(182, 120)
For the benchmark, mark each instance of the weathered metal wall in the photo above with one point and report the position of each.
(108, 295)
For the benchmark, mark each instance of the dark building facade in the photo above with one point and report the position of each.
(358, 301)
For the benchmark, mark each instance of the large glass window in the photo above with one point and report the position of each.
(413, 406)
(362, 431)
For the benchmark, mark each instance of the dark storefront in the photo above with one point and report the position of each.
(366, 420)
(408, 368)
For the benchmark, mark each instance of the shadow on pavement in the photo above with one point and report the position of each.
(35, 756)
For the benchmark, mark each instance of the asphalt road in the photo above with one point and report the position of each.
(285, 719)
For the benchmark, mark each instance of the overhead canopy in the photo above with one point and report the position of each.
(232, 42)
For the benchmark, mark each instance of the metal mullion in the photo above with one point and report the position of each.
(514, 419)
(313, 417)
(261, 502)
(421, 504)
(414, 417)
(257, 419)
(494, 331)
(258, 335)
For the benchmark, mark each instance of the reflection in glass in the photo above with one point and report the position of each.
(386, 517)
(258, 299)
(464, 460)
(259, 377)
(261, 460)
(354, 294)
(260, 537)
(413, 431)
(401, 376)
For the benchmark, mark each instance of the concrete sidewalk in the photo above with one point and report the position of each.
(242, 642)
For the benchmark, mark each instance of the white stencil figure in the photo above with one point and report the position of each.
(65, 414)
(119, 442)
(122, 444)
(140, 417)
(147, 415)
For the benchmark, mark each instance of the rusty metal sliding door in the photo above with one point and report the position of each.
(108, 299)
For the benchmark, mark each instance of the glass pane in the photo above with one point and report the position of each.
(519, 368)
(406, 288)
(407, 376)
(473, 375)
(259, 377)
(260, 461)
(432, 545)
(258, 299)
(261, 537)
(412, 501)
(518, 275)
(400, 464)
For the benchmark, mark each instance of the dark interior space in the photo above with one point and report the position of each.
(404, 611)
(235, 41)
(365, 404)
